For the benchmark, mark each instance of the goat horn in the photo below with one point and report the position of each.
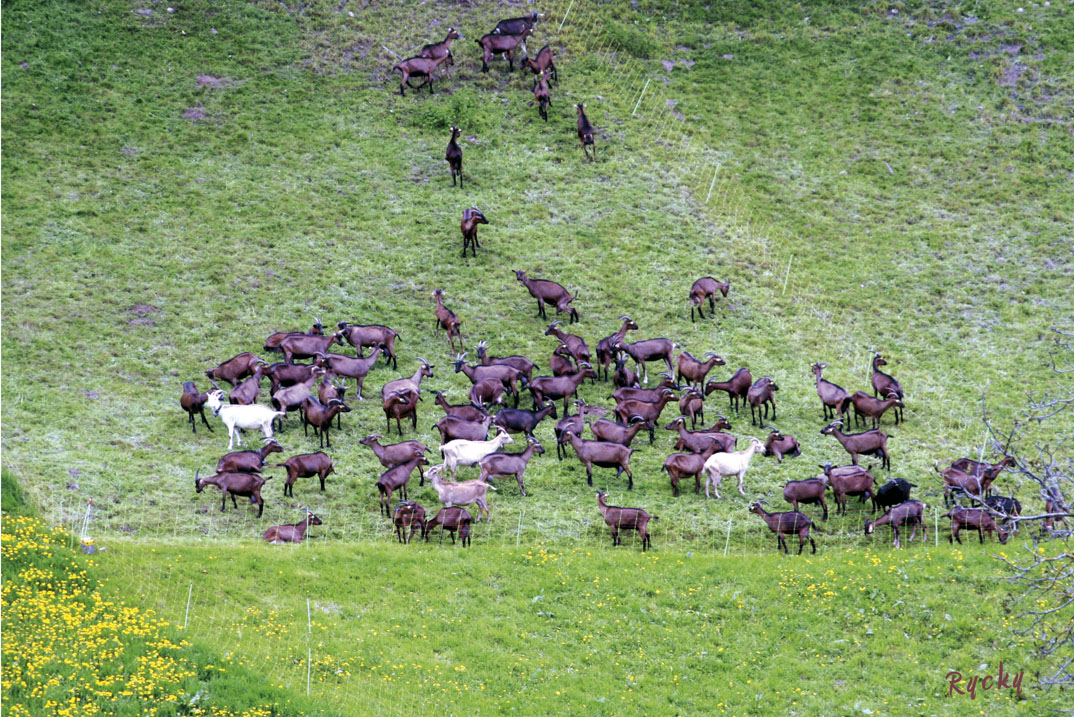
(423, 360)
(624, 317)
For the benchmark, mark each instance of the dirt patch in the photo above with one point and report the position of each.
(194, 114)
(213, 81)
(144, 315)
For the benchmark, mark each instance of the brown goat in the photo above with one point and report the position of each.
(291, 533)
(692, 405)
(833, 397)
(249, 390)
(684, 465)
(706, 288)
(606, 351)
(787, 524)
(649, 350)
(371, 335)
(554, 388)
(396, 478)
(974, 518)
(454, 156)
(544, 60)
(759, 396)
(500, 44)
(585, 135)
(247, 461)
(452, 428)
(869, 443)
(320, 416)
(234, 369)
(883, 384)
(695, 371)
(602, 455)
(618, 518)
(446, 320)
(435, 50)
(737, 387)
(394, 453)
(356, 368)
(910, 513)
(450, 519)
(408, 514)
(465, 411)
(419, 67)
(193, 401)
(305, 465)
(245, 484)
(867, 407)
(779, 445)
(400, 405)
(542, 96)
(520, 363)
(546, 290)
(810, 490)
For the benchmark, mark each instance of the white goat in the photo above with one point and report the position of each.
(460, 494)
(461, 452)
(727, 464)
(236, 416)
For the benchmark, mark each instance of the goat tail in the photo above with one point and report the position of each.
(814, 526)
(654, 517)
(492, 486)
(845, 405)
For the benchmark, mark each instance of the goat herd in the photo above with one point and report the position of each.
(317, 390)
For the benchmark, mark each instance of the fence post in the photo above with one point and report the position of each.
(309, 646)
(640, 96)
(187, 614)
(728, 542)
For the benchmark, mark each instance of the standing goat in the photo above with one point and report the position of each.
(447, 320)
(726, 464)
(408, 514)
(509, 464)
(501, 44)
(649, 350)
(419, 67)
(400, 405)
(193, 401)
(541, 96)
(247, 485)
(787, 524)
(467, 453)
(435, 50)
(869, 443)
(585, 134)
(695, 371)
(606, 351)
(460, 494)
(737, 387)
(371, 335)
(234, 369)
(759, 396)
(409, 383)
(602, 455)
(833, 398)
(884, 384)
(305, 465)
(236, 417)
(909, 513)
(396, 478)
(618, 518)
(546, 290)
(706, 288)
(544, 60)
(451, 520)
(454, 156)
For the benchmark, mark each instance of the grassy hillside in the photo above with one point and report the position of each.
(179, 185)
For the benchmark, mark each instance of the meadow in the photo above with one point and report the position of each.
(891, 177)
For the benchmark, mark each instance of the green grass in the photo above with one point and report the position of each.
(888, 181)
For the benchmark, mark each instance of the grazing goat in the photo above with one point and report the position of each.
(787, 524)
(545, 60)
(396, 478)
(447, 320)
(546, 290)
(291, 533)
(371, 335)
(249, 390)
(236, 417)
(602, 455)
(974, 518)
(585, 134)
(520, 363)
(692, 405)
(412, 383)
(779, 445)
(909, 512)
(849, 482)
(892, 493)
(519, 420)
(618, 518)
(400, 405)
(460, 494)
(394, 453)
(557, 387)
(867, 407)
(649, 350)
(356, 368)
(575, 344)
(833, 398)
(884, 384)
(606, 351)
(454, 156)
(706, 288)
(509, 464)
(624, 377)
(651, 395)
(461, 452)
(305, 465)
(695, 371)
(247, 485)
(869, 443)
(419, 67)
(451, 520)
(408, 514)
(737, 387)
(247, 461)
(320, 416)
(235, 368)
(193, 401)
(305, 346)
(759, 396)
(502, 44)
(684, 465)
(487, 391)
(541, 96)
(465, 411)
(453, 428)
(810, 490)
(726, 464)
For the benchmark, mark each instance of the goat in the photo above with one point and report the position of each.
(546, 290)
(884, 384)
(247, 461)
(320, 416)
(973, 518)
(786, 524)
(395, 453)
(541, 96)
(561, 362)
(544, 60)
(706, 288)
(908, 512)
(454, 156)
(519, 420)
(606, 351)
(293, 397)
(1006, 507)
(501, 44)
(892, 493)
(435, 50)
(411, 383)
(305, 465)
(575, 344)
(869, 443)
(291, 533)
(249, 390)
(371, 335)
(400, 405)
(419, 67)
(465, 411)
(235, 368)
(779, 445)
(287, 374)
(452, 428)
(618, 518)
(693, 370)
(487, 391)
(1055, 507)
(356, 368)
(649, 350)
(810, 490)
(574, 424)
(956, 481)
(396, 478)
(446, 319)
(509, 464)
(865, 406)
(507, 375)
(556, 387)
(623, 393)
(853, 482)
(451, 520)
(328, 391)
(700, 441)
(460, 494)
(649, 411)
(733, 463)
(193, 401)
(692, 405)
(585, 134)
(737, 387)
(408, 514)
(520, 363)
(987, 472)
(461, 452)
(833, 398)
(684, 465)
(233, 484)
(516, 25)
(624, 377)
(236, 417)
(305, 346)
(602, 455)
(615, 432)
(759, 396)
